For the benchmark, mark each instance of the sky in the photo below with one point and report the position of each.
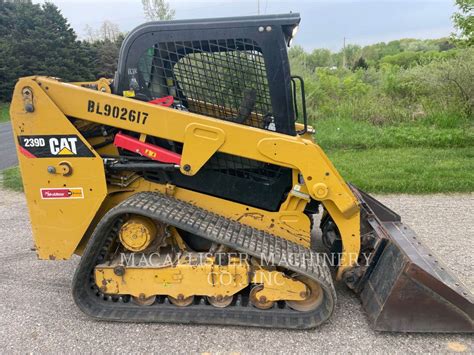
(324, 23)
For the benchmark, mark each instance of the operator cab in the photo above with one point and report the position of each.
(234, 69)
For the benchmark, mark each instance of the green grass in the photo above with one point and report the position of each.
(407, 170)
(4, 115)
(435, 154)
(11, 179)
(347, 134)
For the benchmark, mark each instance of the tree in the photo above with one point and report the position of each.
(108, 31)
(90, 33)
(360, 64)
(352, 53)
(37, 39)
(104, 45)
(319, 58)
(157, 10)
(106, 54)
(464, 22)
(298, 59)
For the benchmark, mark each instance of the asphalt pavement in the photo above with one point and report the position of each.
(7, 146)
(38, 313)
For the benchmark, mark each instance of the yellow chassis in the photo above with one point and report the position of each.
(61, 227)
(196, 277)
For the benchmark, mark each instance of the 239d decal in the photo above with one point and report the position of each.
(53, 146)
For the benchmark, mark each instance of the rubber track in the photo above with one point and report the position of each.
(215, 228)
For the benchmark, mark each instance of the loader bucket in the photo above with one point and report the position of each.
(406, 288)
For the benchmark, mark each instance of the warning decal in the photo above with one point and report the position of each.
(62, 193)
(53, 146)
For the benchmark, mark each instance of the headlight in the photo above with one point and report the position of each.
(295, 31)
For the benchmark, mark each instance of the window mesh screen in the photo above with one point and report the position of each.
(225, 79)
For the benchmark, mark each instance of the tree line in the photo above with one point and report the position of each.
(403, 52)
(36, 39)
(400, 81)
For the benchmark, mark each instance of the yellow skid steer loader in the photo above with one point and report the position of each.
(188, 185)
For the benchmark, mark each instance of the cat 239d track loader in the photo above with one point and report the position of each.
(188, 185)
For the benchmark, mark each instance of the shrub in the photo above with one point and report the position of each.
(436, 90)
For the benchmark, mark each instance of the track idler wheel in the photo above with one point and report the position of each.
(259, 302)
(181, 301)
(144, 301)
(314, 296)
(220, 301)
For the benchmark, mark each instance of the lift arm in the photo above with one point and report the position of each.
(203, 136)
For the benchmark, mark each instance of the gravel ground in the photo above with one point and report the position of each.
(39, 315)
